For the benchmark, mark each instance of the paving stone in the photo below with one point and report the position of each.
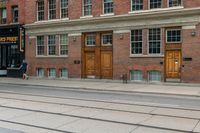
(134, 118)
(152, 130)
(178, 112)
(93, 126)
(197, 128)
(171, 123)
(45, 120)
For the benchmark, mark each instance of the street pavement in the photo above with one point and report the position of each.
(31, 113)
(182, 89)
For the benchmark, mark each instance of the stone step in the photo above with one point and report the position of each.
(174, 80)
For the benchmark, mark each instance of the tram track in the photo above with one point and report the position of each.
(60, 100)
(98, 108)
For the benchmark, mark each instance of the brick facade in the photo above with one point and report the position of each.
(121, 22)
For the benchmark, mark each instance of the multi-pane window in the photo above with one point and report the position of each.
(87, 7)
(64, 44)
(40, 10)
(154, 76)
(154, 41)
(137, 5)
(15, 14)
(63, 73)
(136, 75)
(107, 39)
(52, 73)
(155, 4)
(40, 45)
(173, 3)
(136, 42)
(174, 36)
(108, 6)
(51, 45)
(52, 9)
(3, 15)
(40, 72)
(90, 40)
(64, 8)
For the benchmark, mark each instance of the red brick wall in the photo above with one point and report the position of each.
(190, 48)
(34, 62)
(123, 63)
(21, 11)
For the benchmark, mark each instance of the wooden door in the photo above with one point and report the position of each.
(90, 64)
(173, 64)
(106, 64)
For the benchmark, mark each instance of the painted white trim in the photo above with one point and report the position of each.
(147, 56)
(85, 17)
(174, 6)
(121, 31)
(102, 44)
(133, 55)
(155, 10)
(189, 27)
(56, 56)
(108, 14)
(160, 42)
(74, 34)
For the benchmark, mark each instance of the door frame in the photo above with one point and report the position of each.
(165, 67)
(97, 51)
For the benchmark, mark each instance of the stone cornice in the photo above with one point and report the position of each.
(171, 17)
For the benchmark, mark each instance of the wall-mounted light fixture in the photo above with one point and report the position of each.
(74, 38)
(121, 36)
(193, 33)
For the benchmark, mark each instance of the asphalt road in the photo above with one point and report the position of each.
(133, 98)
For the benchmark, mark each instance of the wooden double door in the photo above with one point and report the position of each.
(97, 58)
(173, 63)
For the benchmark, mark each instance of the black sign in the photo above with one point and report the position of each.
(187, 59)
(9, 35)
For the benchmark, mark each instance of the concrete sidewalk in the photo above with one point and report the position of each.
(112, 86)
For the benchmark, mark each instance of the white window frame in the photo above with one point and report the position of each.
(131, 42)
(49, 11)
(37, 70)
(161, 32)
(37, 46)
(43, 11)
(102, 39)
(136, 80)
(173, 30)
(66, 44)
(83, 9)
(15, 8)
(109, 12)
(48, 45)
(86, 40)
(65, 8)
(67, 73)
(154, 80)
(49, 73)
(136, 10)
(149, 7)
(174, 6)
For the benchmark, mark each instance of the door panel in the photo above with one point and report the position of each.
(173, 63)
(106, 64)
(90, 64)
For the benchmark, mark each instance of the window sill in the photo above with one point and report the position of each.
(52, 56)
(108, 14)
(147, 56)
(85, 17)
(156, 10)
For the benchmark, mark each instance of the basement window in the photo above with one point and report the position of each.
(154, 76)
